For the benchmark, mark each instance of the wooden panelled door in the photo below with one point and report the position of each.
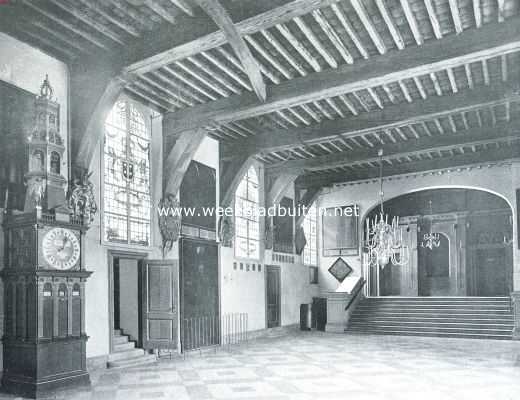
(273, 296)
(159, 302)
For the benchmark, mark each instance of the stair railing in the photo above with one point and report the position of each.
(356, 293)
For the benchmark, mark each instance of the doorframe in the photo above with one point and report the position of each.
(111, 254)
(180, 285)
(279, 270)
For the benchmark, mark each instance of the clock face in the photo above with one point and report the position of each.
(61, 248)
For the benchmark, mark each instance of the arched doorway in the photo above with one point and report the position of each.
(434, 267)
(475, 253)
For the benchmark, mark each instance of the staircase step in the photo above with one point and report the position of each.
(124, 346)
(429, 334)
(431, 318)
(120, 339)
(133, 362)
(472, 317)
(127, 354)
(437, 298)
(117, 332)
(459, 315)
(434, 325)
(434, 309)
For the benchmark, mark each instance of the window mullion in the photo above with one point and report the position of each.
(127, 156)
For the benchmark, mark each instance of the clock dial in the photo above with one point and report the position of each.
(61, 248)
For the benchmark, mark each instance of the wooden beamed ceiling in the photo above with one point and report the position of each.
(344, 77)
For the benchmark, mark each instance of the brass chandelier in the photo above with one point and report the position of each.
(430, 239)
(383, 241)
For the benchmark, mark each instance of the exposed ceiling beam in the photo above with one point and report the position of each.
(268, 19)
(475, 137)
(490, 41)
(390, 117)
(59, 21)
(251, 67)
(416, 167)
(184, 6)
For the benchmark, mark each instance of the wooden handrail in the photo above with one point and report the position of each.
(356, 293)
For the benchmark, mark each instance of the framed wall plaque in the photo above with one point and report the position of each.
(340, 231)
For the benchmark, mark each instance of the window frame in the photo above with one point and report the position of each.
(256, 204)
(148, 126)
(314, 221)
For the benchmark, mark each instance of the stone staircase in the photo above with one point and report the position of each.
(460, 317)
(125, 353)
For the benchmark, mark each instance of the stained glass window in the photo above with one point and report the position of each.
(247, 224)
(127, 176)
(310, 251)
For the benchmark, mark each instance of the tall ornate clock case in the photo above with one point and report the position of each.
(44, 275)
(44, 284)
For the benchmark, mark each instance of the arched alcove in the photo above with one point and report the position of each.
(475, 229)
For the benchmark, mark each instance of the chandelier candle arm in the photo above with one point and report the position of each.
(383, 241)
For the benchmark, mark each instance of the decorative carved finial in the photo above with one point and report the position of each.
(46, 91)
(82, 200)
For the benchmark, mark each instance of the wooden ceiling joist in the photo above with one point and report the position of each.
(116, 21)
(469, 46)
(70, 27)
(369, 25)
(439, 164)
(86, 19)
(249, 26)
(479, 137)
(391, 117)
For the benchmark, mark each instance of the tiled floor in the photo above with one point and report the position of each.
(309, 366)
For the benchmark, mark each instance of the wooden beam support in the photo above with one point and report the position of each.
(471, 46)
(390, 117)
(89, 126)
(179, 158)
(306, 201)
(415, 168)
(500, 134)
(279, 187)
(221, 17)
(278, 15)
(231, 177)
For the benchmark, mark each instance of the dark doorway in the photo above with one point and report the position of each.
(491, 272)
(272, 296)
(199, 288)
(126, 298)
(434, 269)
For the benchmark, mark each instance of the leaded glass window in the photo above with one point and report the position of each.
(127, 176)
(247, 224)
(310, 251)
